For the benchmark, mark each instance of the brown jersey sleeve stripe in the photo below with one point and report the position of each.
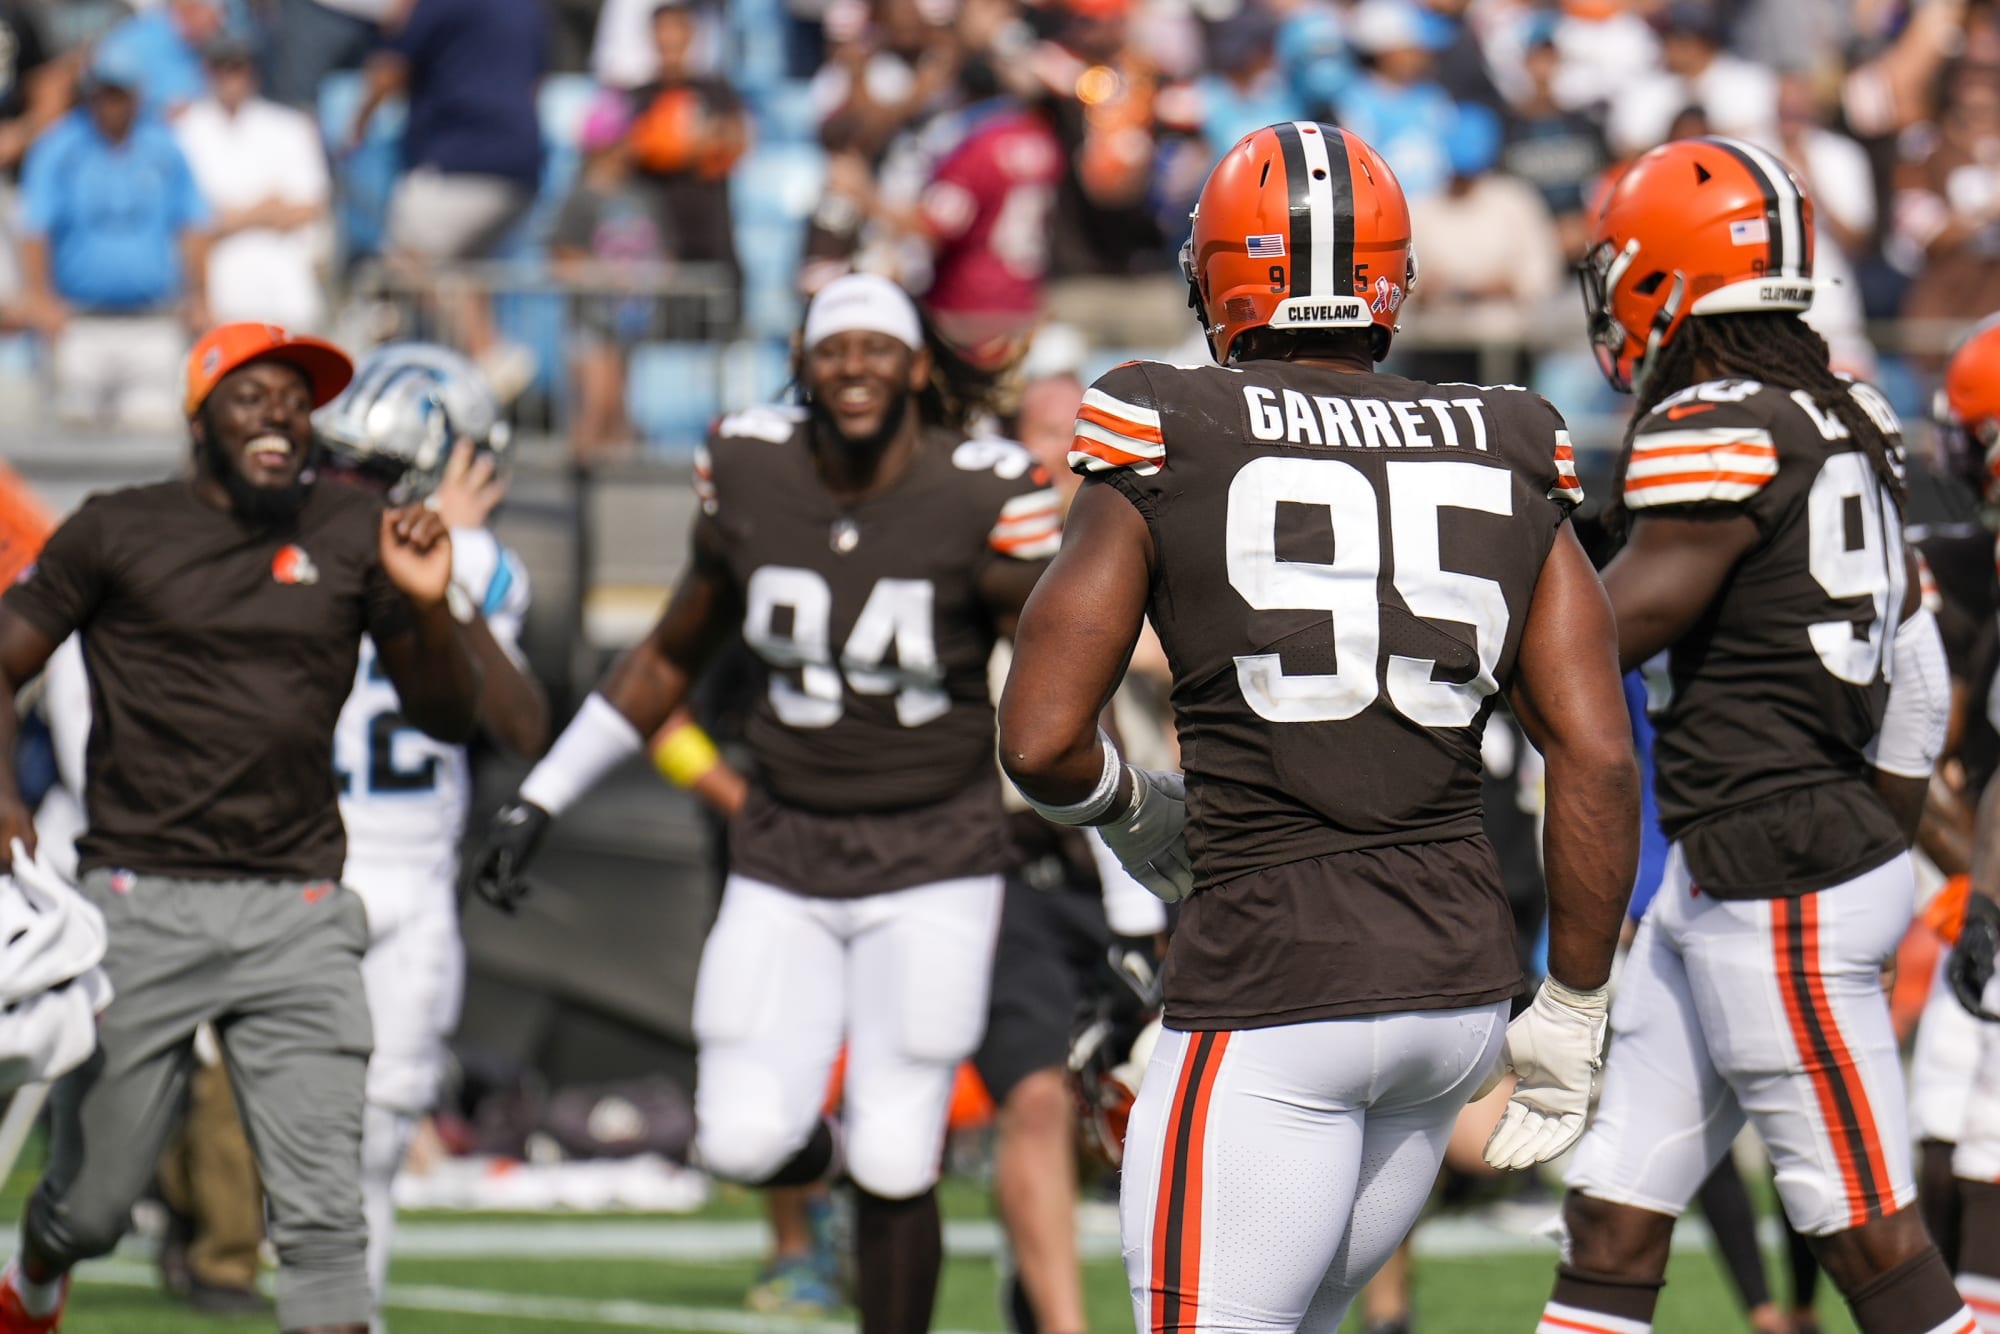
(1097, 455)
(1125, 426)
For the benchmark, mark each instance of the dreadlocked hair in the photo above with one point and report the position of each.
(1774, 347)
(960, 393)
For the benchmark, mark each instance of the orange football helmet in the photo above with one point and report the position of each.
(1694, 227)
(1967, 410)
(1300, 226)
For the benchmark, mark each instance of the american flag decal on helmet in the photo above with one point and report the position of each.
(1265, 247)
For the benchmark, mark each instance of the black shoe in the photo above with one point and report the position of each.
(219, 1299)
(172, 1257)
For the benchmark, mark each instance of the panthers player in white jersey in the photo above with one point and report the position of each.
(419, 424)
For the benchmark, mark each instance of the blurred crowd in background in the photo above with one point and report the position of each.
(616, 206)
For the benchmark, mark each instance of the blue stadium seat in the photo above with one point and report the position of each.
(1907, 389)
(770, 250)
(561, 105)
(673, 393)
(755, 371)
(779, 182)
(18, 356)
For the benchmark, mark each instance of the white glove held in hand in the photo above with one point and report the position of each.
(1555, 1050)
(1150, 839)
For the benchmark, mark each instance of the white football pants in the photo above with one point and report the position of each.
(1944, 1062)
(1269, 1172)
(1770, 1010)
(414, 974)
(902, 977)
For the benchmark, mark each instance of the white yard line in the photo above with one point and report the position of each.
(526, 1306)
(569, 1237)
(633, 1315)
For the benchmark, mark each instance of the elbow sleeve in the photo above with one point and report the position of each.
(1913, 724)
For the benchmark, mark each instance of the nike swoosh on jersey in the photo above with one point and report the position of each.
(1680, 410)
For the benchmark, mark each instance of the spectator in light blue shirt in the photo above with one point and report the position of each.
(113, 235)
(1246, 90)
(1395, 104)
(1313, 53)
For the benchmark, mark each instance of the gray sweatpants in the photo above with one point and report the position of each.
(276, 966)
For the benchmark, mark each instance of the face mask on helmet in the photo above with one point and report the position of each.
(1109, 1047)
(1968, 451)
(1623, 356)
(1106, 1066)
(1607, 336)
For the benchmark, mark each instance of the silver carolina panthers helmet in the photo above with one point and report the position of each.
(399, 417)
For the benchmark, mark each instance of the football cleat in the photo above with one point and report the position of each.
(794, 1287)
(14, 1315)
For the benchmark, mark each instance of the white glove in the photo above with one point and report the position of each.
(1150, 839)
(1555, 1050)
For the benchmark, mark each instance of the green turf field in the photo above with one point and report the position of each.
(515, 1290)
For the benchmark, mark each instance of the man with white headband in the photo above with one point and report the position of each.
(870, 553)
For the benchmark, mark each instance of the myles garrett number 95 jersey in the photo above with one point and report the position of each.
(869, 621)
(1345, 564)
(1761, 766)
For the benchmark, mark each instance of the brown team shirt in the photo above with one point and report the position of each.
(1345, 565)
(1760, 756)
(220, 654)
(872, 729)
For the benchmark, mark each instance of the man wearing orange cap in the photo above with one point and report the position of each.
(221, 616)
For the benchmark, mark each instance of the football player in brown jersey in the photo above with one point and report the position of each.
(1764, 554)
(870, 553)
(1346, 569)
(1969, 407)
